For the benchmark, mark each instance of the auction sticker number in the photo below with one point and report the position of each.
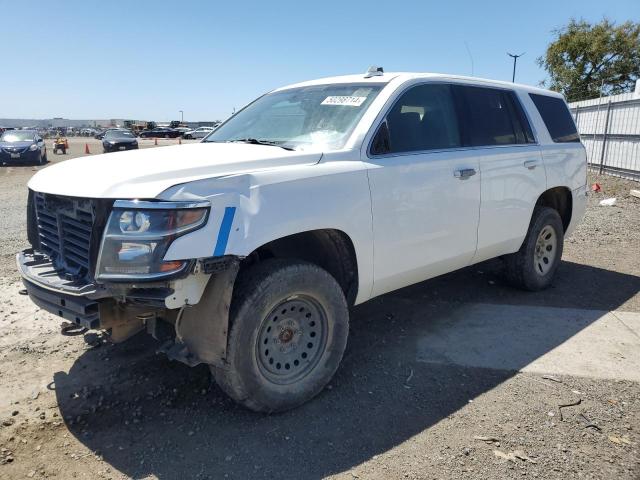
(344, 100)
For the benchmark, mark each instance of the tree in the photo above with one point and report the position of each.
(586, 60)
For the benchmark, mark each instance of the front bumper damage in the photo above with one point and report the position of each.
(75, 301)
(198, 328)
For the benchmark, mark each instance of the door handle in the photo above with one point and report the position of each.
(464, 173)
(531, 164)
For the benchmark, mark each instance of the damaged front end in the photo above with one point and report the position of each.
(99, 265)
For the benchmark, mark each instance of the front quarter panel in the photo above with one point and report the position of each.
(250, 210)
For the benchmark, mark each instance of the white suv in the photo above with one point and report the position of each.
(245, 251)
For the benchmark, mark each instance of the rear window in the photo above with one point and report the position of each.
(556, 117)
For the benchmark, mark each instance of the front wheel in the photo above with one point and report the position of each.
(289, 324)
(534, 265)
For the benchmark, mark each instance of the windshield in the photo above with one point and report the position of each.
(119, 134)
(320, 116)
(17, 136)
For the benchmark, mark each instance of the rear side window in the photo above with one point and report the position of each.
(493, 117)
(556, 117)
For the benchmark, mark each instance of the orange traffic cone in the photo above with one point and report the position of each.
(155, 140)
(86, 149)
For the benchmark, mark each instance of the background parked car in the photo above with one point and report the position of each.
(160, 132)
(88, 132)
(100, 135)
(116, 140)
(22, 146)
(199, 132)
(183, 130)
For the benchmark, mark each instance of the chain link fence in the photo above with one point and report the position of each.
(610, 130)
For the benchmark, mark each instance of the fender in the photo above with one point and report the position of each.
(251, 210)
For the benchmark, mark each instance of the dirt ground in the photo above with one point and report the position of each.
(457, 377)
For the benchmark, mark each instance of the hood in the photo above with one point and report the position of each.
(148, 172)
(18, 145)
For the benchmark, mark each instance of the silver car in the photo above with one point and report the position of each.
(199, 132)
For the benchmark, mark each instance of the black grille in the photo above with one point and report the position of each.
(15, 149)
(65, 227)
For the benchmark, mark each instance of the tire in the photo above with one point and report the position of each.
(43, 158)
(534, 265)
(289, 324)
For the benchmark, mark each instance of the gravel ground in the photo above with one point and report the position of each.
(79, 407)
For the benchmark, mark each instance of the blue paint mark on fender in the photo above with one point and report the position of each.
(225, 229)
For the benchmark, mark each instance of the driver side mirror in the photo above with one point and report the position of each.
(381, 141)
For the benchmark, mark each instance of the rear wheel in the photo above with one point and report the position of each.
(534, 265)
(289, 327)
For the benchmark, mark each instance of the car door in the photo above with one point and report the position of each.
(425, 190)
(511, 167)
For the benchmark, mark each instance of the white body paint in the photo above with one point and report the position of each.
(409, 219)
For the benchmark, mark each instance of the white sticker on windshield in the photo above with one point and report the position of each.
(344, 100)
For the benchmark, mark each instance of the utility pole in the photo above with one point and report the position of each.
(515, 61)
(181, 116)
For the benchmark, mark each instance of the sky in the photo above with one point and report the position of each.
(147, 60)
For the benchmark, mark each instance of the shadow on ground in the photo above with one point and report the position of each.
(149, 416)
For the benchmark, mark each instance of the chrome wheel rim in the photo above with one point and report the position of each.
(291, 340)
(544, 255)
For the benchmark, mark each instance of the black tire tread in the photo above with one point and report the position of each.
(518, 272)
(250, 285)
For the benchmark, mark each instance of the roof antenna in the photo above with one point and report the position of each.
(374, 72)
(470, 56)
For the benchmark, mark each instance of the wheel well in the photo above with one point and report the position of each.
(558, 198)
(330, 249)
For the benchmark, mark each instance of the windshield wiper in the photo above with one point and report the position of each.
(255, 141)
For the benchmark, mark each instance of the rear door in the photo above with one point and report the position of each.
(511, 168)
(425, 190)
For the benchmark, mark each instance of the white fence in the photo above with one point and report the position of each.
(610, 130)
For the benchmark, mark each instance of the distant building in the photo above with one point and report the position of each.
(59, 122)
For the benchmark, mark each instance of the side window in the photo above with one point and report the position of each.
(491, 117)
(556, 117)
(423, 118)
(524, 134)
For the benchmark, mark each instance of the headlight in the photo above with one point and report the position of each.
(138, 235)
(33, 147)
